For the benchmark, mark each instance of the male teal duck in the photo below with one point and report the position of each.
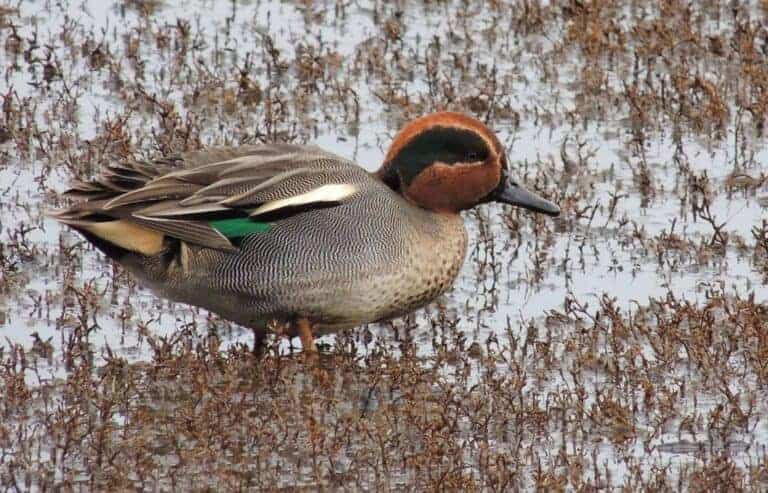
(296, 240)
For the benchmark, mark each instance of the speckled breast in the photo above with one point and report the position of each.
(430, 265)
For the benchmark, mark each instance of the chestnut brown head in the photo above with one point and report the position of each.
(449, 162)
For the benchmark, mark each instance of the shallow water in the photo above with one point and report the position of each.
(84, 70)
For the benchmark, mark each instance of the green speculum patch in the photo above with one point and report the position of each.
(239, 227)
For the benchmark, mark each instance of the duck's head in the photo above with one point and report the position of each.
(449, 162)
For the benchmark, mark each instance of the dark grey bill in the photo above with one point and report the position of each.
(511, 193)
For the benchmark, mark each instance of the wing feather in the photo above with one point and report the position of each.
(196, 232)
(152, 193)
(185, 196)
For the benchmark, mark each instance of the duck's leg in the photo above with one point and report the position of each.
(304, 329)
(259, 342)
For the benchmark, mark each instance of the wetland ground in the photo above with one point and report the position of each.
(622, 346)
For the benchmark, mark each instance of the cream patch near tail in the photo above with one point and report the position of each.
(126, 234)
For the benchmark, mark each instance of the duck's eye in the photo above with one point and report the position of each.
(473, 156)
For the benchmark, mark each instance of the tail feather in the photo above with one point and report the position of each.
(111, 231)
(117, 178)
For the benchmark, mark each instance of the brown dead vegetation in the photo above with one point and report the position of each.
(656, 394)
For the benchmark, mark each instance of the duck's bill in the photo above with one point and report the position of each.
(512, 193)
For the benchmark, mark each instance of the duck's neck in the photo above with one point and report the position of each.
(389, 177)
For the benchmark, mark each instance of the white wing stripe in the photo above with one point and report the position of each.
(337, 192)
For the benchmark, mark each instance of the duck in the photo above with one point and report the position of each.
(295, 240)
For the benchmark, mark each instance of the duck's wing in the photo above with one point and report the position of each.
(209, 198)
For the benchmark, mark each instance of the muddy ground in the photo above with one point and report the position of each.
(621, 346)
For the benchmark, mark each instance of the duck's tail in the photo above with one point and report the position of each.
(110, 229)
